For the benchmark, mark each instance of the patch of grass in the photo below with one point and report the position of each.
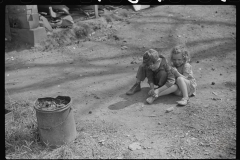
(22, 140)
(21, 136)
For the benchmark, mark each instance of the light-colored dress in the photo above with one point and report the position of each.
(186, 70)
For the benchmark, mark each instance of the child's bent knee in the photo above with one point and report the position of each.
(180, 79)
(178, 92)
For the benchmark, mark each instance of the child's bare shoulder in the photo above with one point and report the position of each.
(187, 65)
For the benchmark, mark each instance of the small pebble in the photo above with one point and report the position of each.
(213, 83)
(169, 109)
(197, 61)
(90, 112)
(134, 146)
(220, 74)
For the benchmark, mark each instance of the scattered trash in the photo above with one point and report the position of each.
(134, 146)
(43, 22)
(140, 7)
(169, 109)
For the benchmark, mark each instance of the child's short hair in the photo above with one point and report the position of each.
(181, 49)
(150, 56)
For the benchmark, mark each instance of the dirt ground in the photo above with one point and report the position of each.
(96, 71)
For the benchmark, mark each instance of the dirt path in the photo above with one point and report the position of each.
(97, 74)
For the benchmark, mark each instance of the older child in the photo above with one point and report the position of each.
(185, 82)
(156, 69)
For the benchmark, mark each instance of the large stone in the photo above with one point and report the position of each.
(22, 9)
(24, 21)
(30, 36)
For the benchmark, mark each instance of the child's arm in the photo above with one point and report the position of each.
(170, 76)
(150, 78)
(151, 85)
(187, 71)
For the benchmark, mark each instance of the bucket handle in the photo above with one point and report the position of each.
(49, 128)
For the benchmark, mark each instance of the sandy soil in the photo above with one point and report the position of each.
(96, 72)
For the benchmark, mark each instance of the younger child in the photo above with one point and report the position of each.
(157, 71)
(185, 82)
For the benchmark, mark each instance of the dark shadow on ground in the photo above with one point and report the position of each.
(140, 97)
(17, 46)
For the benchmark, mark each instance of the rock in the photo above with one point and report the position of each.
(124, 47)
(134, 146)
(116, 38)
(159, 123)
(213, 69)
(197, 62)
(120, 157)
(220, 74)
(132, 62)
(169, 109)
(216, 99)
(90, 112)
(213, 83)
(215, 93)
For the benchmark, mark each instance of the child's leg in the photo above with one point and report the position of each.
(141, 75)
(183, 86)
(162, 91)
(161, 78)
(169, 90)
(184, 90)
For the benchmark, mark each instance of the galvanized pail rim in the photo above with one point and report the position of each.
(66, 99)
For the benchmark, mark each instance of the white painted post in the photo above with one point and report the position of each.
(96, 10)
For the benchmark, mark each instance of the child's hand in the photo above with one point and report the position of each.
(155, 93)
(151, 92)
(174, 70)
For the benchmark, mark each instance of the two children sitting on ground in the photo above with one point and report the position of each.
(176, 78)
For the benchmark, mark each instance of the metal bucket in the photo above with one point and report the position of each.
(56, 127)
